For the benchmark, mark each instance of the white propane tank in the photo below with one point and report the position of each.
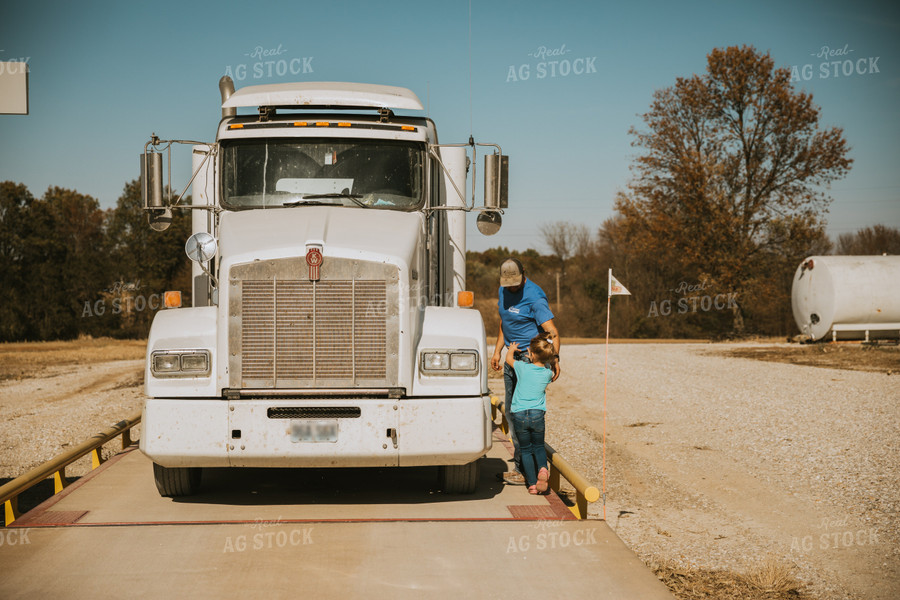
(849, 297)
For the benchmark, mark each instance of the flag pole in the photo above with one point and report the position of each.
(605, 370)
(612, 289)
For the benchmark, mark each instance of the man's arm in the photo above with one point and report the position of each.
(495, 359)
(550, 328)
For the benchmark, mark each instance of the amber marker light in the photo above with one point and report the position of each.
(343, 124)
(299, 123)
(321, 123)
(465, 299)
(236, 126)
(408, 128)
(172, 299)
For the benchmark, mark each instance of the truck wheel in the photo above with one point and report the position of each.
(176, 481)
(459, 479)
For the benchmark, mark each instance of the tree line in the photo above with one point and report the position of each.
(665, 302)
(69, 268)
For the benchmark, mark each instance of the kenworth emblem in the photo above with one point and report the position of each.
(314, 260)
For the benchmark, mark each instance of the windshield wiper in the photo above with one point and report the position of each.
(354, 197)
(333, 195)
(303, 201)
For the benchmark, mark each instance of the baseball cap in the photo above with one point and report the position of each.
(511, 272)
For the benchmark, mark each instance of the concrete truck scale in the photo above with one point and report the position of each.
(330, 325)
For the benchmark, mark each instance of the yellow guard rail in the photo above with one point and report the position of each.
(584, 491)
(9, 493)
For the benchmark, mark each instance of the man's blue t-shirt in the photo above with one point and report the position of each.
(530, 387)
(522, 312)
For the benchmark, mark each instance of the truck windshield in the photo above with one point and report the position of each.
(280, 172)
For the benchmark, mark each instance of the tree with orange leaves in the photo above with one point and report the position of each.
(732, 171)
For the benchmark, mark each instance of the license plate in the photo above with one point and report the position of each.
(322, 430)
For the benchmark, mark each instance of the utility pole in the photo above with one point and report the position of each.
(558, 303)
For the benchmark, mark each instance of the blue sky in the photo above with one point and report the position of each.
(105, 75)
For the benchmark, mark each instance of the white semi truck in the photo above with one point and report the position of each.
(330, 324)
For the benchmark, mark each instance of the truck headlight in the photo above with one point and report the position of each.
(180, 363)
(165, 363)
(435, 361)
(463, 361)
(449, 362)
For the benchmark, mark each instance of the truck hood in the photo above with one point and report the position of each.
(367, 234)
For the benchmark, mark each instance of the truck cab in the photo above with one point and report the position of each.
(330, 325)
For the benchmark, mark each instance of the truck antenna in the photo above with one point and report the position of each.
(470, 69)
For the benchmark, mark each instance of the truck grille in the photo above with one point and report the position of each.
(314, 412)
(329, 333)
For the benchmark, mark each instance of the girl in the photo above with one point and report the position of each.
(529, 406)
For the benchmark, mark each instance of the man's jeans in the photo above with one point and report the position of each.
(509, 379)
(529, 428)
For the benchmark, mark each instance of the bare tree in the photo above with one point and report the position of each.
(567, 240)
(877, 239)
(558, 238)
(583, 241)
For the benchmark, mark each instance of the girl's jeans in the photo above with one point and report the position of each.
(509, 381)
(528, 426)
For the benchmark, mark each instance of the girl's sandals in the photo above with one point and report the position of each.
(532, 490)
(543, 482)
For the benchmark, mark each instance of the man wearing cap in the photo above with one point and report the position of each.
(524, 313)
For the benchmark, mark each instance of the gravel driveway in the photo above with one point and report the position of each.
(717, 462)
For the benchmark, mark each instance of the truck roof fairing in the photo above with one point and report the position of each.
(311, 94)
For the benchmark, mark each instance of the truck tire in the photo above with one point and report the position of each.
(176, 481)
(459, 479)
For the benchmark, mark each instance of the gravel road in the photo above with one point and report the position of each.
(43, 416)
(717, 462)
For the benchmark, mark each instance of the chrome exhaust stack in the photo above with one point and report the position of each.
(226, 89)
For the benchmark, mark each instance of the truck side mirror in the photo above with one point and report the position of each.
(201, 247)
(489, 222)
(152, 180)
(496, 181)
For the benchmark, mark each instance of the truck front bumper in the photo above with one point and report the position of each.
(275, 432)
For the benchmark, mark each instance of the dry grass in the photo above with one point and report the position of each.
(771, 580)
(773, 577)
(21, 360)
(853, 356)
